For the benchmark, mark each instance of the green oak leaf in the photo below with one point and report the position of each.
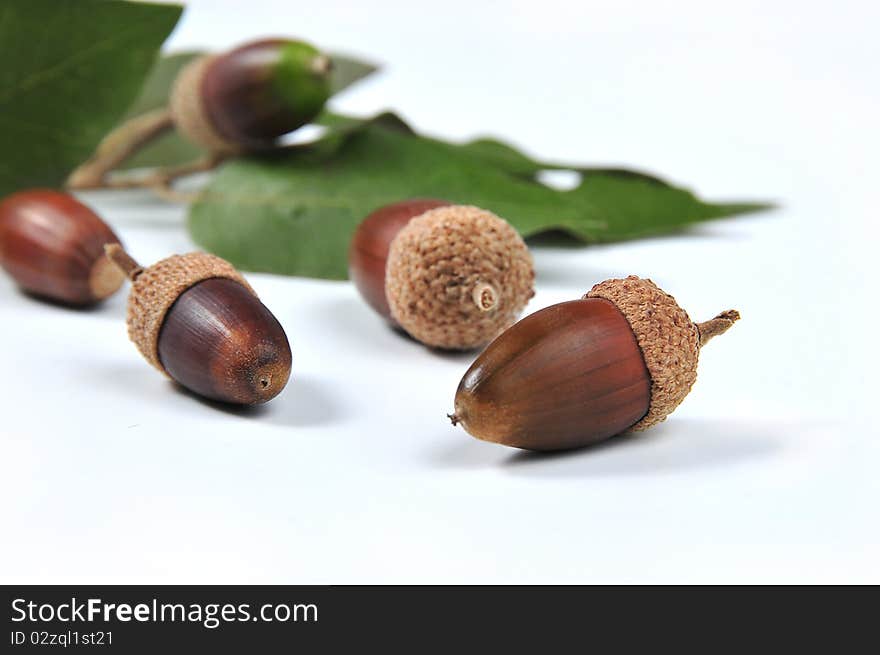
(70, 70)
(512, 160)
(294, 212)
(347, 70)
(169, 148)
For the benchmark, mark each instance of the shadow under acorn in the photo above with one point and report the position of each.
(371, 334)
(304, 402)
(675, 446)
(109, 307)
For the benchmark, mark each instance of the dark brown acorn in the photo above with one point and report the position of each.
(621, 358)
(53, 246)
(196, 319)
(452, 276)
(246, 98)
(368, 254)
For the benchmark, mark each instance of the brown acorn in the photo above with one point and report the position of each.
(621, 358)
(196, 319)
(53, 246)
(246, 98)
(452, 276)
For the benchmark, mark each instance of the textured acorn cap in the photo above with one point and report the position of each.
(188, 109)
(457, 276)
(155, 289)
(670, 342)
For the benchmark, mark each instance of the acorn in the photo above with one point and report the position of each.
(621, 358)
(451, 276)
(53, 247)
(246, 98)
(197, 320)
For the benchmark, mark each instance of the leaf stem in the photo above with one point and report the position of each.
(118, 146)
(160, 180)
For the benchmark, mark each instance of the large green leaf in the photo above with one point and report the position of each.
(70, 69)
(294, 212)
(169, 148)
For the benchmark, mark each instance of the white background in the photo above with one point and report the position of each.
(767, 472)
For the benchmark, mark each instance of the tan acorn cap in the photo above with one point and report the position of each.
(188, 109)
(457, 276)
(155, 289)
(670, 342)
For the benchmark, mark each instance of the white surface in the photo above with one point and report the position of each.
(107, 474)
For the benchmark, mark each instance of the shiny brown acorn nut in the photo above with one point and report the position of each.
(246, 98)
(53, 246)
(196, 319)
(621, 358)
(452, 276)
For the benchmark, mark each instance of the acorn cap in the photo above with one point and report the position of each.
(155, 289)
(457, 276)
(188, 108)
(670, 342)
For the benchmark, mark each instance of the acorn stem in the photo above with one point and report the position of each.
(118, 146)
(321, 65)
(718, 325)
(123, 261)
(485, 297)
(454, 419)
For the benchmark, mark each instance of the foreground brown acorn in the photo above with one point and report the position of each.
(621, 358)
(247, 97)
(197, 320)
(452, 276)
(53, 246)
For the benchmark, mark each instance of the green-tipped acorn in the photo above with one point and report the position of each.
(246, 98)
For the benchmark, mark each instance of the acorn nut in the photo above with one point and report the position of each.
(196, 319)
(621, 358)
(246, 98)
(452, 276)
(53, 246)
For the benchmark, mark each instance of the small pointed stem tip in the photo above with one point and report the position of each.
(321, 65)
(123, 260)
(453, 418)
(718, 325)
(485, 297)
